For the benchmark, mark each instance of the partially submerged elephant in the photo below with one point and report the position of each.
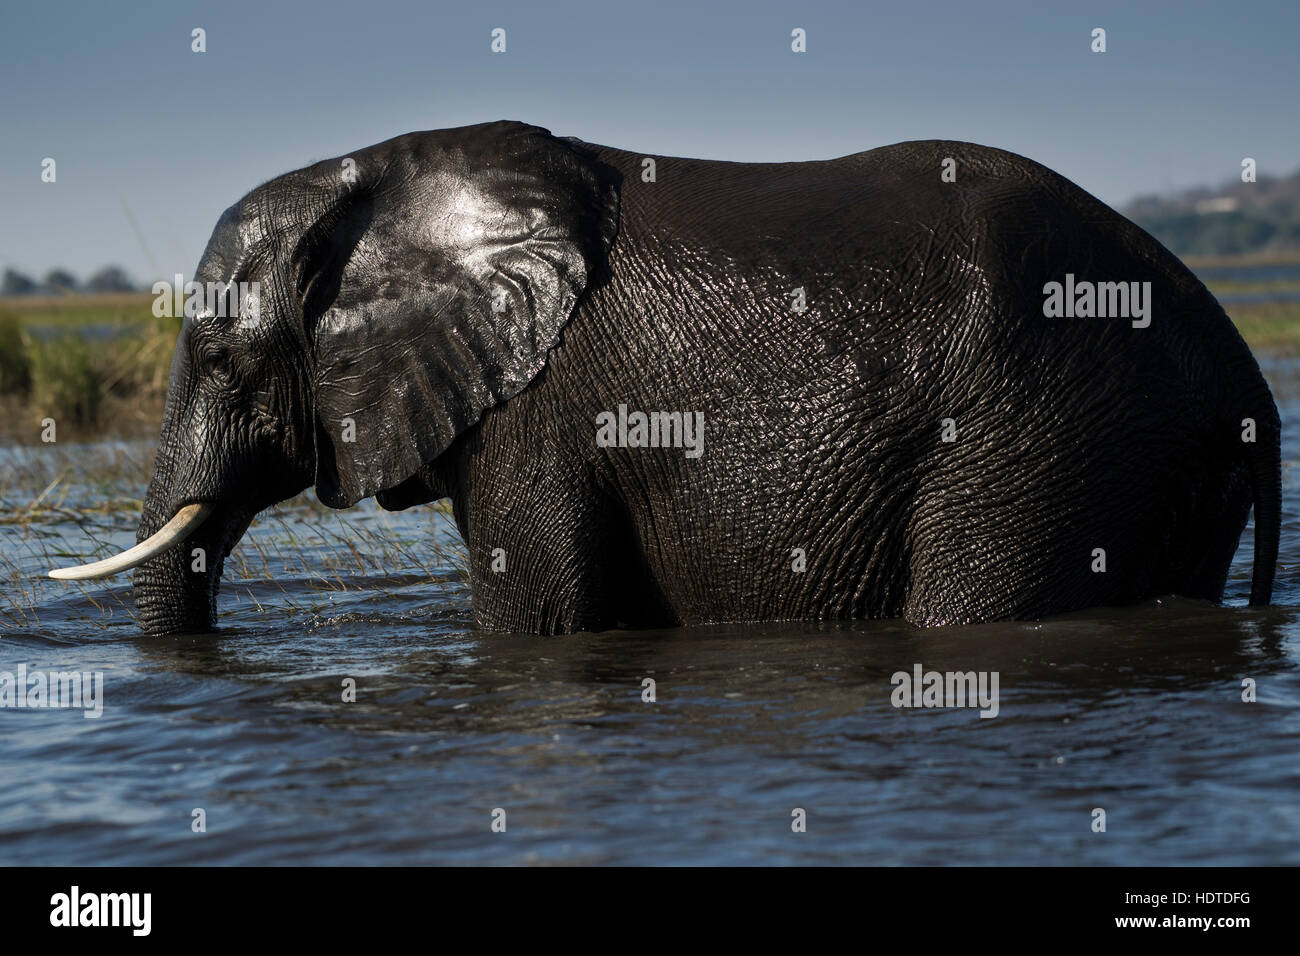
(669, 391)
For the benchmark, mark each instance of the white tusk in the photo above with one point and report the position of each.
(172, 533)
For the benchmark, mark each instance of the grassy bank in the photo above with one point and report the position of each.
(90, 363)
(1271, 327)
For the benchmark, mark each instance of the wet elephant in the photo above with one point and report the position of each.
(933, 380)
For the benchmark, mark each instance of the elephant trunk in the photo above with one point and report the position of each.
(176, 591)
(170, 596)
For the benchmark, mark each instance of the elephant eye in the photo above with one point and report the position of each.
(218, 363)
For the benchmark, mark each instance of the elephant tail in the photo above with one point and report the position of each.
(1265, 459)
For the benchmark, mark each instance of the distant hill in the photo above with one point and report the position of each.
(1236, 218)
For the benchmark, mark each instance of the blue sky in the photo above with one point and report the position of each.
(153, 141)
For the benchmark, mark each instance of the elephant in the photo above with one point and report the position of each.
(933, 380)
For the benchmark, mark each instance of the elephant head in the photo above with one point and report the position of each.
(402, 291)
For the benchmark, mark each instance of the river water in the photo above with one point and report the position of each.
(1137, 712)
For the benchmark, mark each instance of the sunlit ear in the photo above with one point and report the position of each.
(435, 291)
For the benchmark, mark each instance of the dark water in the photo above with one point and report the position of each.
(1135, 711)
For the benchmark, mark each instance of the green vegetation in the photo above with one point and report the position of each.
(15, 363)
(1269, 327)
(124, 310)
(66, 383)
(84, 361)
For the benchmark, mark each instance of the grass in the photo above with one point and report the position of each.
(74, 312)
(60, 506)
(1272, 327)
(84, 362)
(302, 558)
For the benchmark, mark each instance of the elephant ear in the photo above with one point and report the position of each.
(435, 285)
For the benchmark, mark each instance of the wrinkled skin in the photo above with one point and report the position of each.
(823, 428)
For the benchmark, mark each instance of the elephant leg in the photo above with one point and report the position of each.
(973, 572)
(1023, 558)
(1010, 554)
(547, 557)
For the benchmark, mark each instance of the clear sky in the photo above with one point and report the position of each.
(153, 141)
